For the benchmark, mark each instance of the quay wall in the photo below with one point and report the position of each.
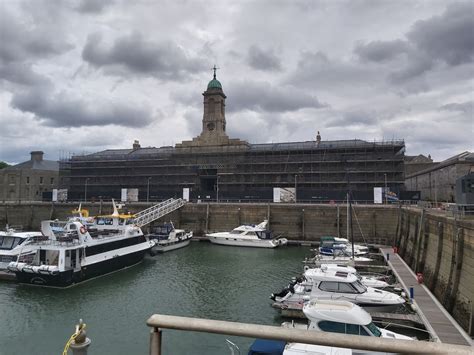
(306, 222)
(442, 249)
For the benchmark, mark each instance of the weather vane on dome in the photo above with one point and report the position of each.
(215, 68)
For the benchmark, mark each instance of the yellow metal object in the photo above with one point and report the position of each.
(80, 328)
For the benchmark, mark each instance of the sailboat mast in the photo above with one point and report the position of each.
(349, 204)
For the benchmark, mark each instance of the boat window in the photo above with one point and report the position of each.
(7, 242)
(332, 327)
(329, 286)
(236, 232)
(359, 287)
(251, 233)
(73, 227)
(16, 241)
(352, 329)
(374, 329)
(346, 288)
(121, 222)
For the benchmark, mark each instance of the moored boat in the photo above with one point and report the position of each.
(248, 235)
(68, 254)
(13, 243)
(167, 238)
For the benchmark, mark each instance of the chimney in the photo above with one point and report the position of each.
(136, 144)
(37, 155)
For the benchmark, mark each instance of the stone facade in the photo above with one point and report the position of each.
(28, 181)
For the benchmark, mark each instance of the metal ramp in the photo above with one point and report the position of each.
(157, 211)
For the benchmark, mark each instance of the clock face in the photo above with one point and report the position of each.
(211, 126)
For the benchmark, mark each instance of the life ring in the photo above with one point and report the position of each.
(83, 230)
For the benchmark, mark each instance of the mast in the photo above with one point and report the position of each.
(349, 206)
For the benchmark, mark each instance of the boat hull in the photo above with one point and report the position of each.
(262, 243)
(164, 247)
(71, 277)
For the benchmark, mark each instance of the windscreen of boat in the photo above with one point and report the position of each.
(359, 287)
(264, 235)
(236, 231)
(374, 329)
(8, 242)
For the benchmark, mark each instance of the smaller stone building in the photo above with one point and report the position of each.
(28, 181)
(437, 183)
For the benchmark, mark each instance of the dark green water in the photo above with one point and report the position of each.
(202, 280)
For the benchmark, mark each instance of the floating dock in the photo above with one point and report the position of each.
(437, 320)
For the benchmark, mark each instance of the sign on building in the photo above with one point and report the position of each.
(378, 195)
(129, 195)
(284, 194)
(59, 195)
(186, 194)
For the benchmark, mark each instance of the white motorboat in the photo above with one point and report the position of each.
(344, 317)
(248, 235)
(272, 347)
(68, 254)
(169, 238)
(331, 284)
(368, 281)
(331, 245)
(339, 257)
(13, 243)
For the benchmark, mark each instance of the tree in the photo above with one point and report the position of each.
(3, 165)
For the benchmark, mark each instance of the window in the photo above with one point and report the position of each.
(27, 179)
(328, 286)
(374, 329)
(52, 181)
(332, 327)
(41, 180)
(359, 287)
(346, 288)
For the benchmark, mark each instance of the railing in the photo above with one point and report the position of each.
(158, 321)
(157, 211)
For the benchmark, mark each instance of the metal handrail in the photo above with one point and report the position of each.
(157, 211)
(158, 321)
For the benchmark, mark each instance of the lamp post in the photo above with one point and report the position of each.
(296, 177)
(385, 177)
(148, 189)
(85, 190)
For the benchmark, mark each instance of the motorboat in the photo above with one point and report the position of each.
(369, 281)
(344, 317)
(336, 285)
(13, 243)
(68, 254)
(273, 347)
(167, 238)
(331, 245)
(339, 256)
(248, 235)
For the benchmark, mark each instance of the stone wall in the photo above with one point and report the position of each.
(441, 248)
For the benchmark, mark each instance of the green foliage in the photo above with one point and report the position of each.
(3, 165)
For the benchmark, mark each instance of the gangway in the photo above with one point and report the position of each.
(157, 211)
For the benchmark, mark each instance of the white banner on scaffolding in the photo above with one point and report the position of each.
(378, 195)
(186, 194)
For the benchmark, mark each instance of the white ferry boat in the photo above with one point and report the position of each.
(248, 235)
(68, 254)
(167, 238)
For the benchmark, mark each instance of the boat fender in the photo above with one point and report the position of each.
(83, 230)
(306, 268)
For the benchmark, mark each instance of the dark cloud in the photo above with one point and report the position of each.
(381, 51)
(263, 60)
(262, 96)
(93, 6)
(21, 73)
(465, 107)
(448, 37)
(134, 54)
(353, 118)
(416, 66)
(63, 111)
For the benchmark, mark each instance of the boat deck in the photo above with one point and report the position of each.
(436, 318)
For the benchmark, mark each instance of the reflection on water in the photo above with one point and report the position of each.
(202, 280)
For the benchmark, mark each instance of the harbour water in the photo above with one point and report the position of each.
(202, 280)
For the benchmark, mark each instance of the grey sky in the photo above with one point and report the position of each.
(83, 76)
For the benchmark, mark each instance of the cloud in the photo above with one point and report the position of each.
(93, 6)
(262, 96)
(353, 118)
(448, 37)
(263, 60)
(465, 107)
(381, 51)
(64, 111)
(135, 55)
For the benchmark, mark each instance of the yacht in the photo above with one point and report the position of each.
(14, 243)
(274, 347)
(344, 317)
(331, 245)
(335, 285)
(68, 254)
(248, 235)
(368, 281)
(167, 238)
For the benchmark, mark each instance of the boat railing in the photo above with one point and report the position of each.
(159, 321)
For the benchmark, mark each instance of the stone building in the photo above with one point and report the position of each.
(437, 183)
(28, 181)
(214, 166)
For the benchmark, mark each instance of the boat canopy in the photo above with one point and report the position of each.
(267, 347)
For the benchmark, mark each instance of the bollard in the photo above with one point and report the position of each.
(80, 348)
(412, 293)
(388, 256)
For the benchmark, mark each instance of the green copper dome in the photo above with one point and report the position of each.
(214, 84)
